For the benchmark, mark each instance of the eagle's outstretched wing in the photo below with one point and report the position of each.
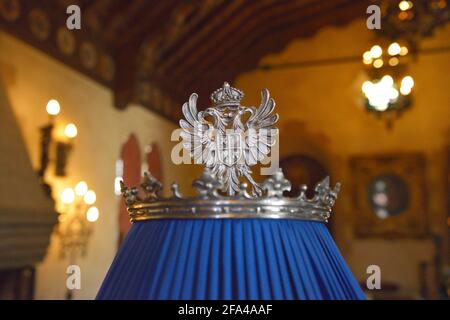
(259, 136)
(196, 134)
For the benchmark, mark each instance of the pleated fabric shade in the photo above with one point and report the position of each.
(229, 259)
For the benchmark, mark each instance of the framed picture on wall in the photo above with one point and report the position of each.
(389, 195)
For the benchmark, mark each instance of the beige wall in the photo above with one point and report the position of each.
(33, 78)
(321, 114)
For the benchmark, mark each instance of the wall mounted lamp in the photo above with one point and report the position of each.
(77, 214)
(62, 146)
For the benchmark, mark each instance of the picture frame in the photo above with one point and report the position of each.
(389, 195)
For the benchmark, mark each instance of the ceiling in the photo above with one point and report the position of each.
(155, 53)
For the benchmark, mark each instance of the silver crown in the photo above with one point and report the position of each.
(210, 203)
(221, 193)
(226, 96)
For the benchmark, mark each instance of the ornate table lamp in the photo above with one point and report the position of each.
(227, 242)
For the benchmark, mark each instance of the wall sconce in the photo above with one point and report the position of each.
(62, 148)
(77, 214)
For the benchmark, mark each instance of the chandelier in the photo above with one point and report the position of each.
(413, 19)
(387, 93)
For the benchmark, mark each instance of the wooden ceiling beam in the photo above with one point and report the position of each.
(243, 24)
(241, 62)
(261, 28)
(174, 34)
(151, 20)
(198, 38)
(120, 17)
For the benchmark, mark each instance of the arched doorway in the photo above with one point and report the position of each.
(131, 174)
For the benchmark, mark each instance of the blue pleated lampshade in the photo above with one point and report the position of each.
(229, 259)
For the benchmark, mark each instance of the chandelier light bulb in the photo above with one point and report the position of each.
(378, 63)
(387, 80)
(376, 51)
(90, 197)
(404, 51)
(71, 131)
(81, 188)
(406, 85)
(379, 104)
(92, 214)
(405, 5)
(405, 90)
(393, 94)
(53, 108)
(393, 61)
(408, 82)
(394, 49)
(68, 196)
(366, 87)
(367, 57)
(381, 94)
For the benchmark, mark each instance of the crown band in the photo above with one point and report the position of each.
(209, 204)
(227, 209)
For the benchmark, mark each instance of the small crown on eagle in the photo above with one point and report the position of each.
(226, 96)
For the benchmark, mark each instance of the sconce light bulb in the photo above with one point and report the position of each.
(68, 196)
(92, 214)
(53, 107)
(81, 188)
(90, 197)
(71, 130)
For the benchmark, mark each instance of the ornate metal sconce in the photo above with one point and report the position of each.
(62, 148)
(75, 222)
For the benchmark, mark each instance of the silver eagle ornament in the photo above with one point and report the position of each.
(228, 138)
